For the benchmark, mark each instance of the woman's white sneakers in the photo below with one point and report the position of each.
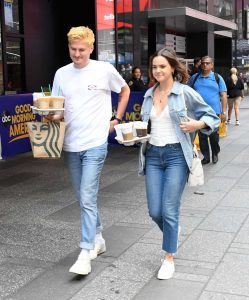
(167, 270)
(237, 122)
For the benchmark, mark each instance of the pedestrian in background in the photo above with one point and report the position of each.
(86, 85)
(136, 83)
(128, 71)
(122, 71)
(242, 77)
(211, 86)
(195, 68)
(175, 112)
(235, 91)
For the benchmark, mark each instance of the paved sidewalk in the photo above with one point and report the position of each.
(39, 231)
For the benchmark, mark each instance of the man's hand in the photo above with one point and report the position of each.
(51, 117)
(223, 117)
(112, 124)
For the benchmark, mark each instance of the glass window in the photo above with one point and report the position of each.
(241, 47)
(224, 9)
(200, 5)
(14, 70)
(11, 16)
(125, 37)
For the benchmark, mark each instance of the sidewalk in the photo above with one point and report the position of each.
(39, 230)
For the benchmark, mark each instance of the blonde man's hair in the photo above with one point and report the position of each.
(81, 32)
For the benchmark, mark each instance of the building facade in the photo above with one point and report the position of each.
(34, 40)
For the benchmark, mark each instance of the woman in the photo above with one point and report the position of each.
(235, 91)
(136, 83)
(175, 111)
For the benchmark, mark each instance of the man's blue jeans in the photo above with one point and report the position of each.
(85, 168)
(166, 176)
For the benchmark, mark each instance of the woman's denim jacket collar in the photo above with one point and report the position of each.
(183, 101)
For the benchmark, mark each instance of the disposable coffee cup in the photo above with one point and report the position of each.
(56, 102)
(42, 102)
(37, 95)
(127, 131)
(141, 128)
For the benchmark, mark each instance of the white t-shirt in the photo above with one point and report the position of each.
(88, 105)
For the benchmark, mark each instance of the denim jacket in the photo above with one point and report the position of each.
(183, 101)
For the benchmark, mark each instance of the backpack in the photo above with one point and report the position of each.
(217, 78)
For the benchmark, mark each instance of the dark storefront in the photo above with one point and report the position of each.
(34, 41)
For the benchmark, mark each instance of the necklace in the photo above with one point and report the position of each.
(163, 93)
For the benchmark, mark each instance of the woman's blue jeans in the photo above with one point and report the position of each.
(85, 168)
(166, 176)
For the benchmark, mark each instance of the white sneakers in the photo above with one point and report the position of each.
(82, 266)
(237, 122)
(98, 249)
(167, 270)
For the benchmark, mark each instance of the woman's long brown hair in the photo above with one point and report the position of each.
(180, 73)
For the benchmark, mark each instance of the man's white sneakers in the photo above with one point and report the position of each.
(82, 266)
(167, 270)
(98, 249)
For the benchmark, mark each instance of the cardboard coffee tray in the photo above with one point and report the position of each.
(45, 112)
(134, 141)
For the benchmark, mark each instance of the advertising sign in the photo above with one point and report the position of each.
(180, 44)
(125, 6)
(170, 40)
(106, 30)
(105, 14)
(15, 111)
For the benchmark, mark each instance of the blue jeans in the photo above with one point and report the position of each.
(166, 175)
(85, 168)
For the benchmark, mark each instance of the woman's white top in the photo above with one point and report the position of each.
(162, 129)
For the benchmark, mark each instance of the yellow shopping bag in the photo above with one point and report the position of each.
(223, 129)
(196, 142)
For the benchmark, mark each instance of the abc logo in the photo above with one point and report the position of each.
(6, 118)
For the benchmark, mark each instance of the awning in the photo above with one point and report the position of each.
(191, 20)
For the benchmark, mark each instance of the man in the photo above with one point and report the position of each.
(122, 71)
(86, 85)
(196, 66)
(135, 83)
(128, 70)
(212, 88)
